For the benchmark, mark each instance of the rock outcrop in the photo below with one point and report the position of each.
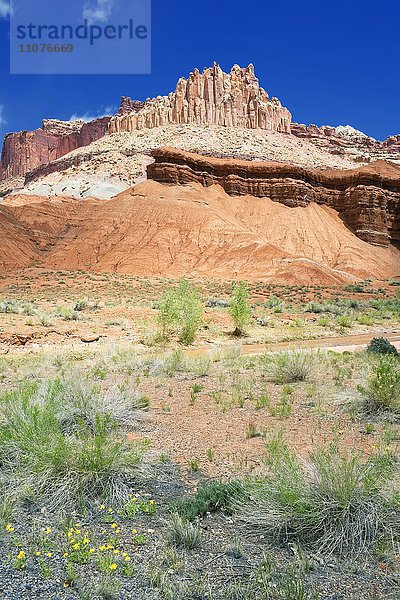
(27, 150)
(367, 198)
(127, 105)
(212, 97)
(347, 141)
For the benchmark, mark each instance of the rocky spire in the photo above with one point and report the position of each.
(212, 97)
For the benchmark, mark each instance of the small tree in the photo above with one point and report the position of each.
(239, 308)
(181, 310)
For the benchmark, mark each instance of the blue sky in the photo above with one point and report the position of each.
(330, 62)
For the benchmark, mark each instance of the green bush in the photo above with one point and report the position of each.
(381, 346)
(210, 497)
(239, 308)
(181, 311)
(336, 502)
(382, 391)
(67, 313)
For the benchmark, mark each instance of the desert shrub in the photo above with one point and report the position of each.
(354, 288)
(323, 307)
(210, 497)
(314, 307)
(67, 313)
(275, 303)
(365, 320)
(336, 502)
(183, 532)
(10, 306)
(217, 303)
(45, 320)
(80, 305)
(79, 402)
(62, 467)
(181, 311)
(239, 308)
(382, 391)
(381, 346)
(272, 581)
(344, 321)
(292, 366)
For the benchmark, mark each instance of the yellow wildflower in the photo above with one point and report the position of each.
(103, 548)
(117, 531)
(78, 525)
(47, 530)
(134, 531)
(49, 554)
(124, 554)
(65, 554)
(127, 558)
(151, 502)
(114, 525)
(21, 555)
(102, 507)
(91, 550)
(110, 510)
(9, 528)
(116, 551)
(86, 540)
(76, 546)
(38, 553)
(113, 566)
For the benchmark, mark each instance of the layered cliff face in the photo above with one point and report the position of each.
(367, 199)
(24, 151)
(347, 141)
(212, 97)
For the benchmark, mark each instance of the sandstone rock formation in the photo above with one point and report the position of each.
(347, 141)
(26, 150)
(367, 198)
(212, 97)
(172, 230)
(127, 105)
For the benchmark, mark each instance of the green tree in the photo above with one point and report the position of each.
(239, 308)
(181, 311)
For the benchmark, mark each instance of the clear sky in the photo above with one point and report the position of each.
(330, 62)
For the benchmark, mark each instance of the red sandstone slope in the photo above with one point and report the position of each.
(157, 229)
(367, 198)
(17, 249)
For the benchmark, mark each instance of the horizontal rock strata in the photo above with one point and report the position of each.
(367, 199)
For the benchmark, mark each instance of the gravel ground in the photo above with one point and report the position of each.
(226, 555)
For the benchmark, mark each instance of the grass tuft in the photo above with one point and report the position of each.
(336, 501)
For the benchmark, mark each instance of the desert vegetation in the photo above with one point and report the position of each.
(162, 461)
